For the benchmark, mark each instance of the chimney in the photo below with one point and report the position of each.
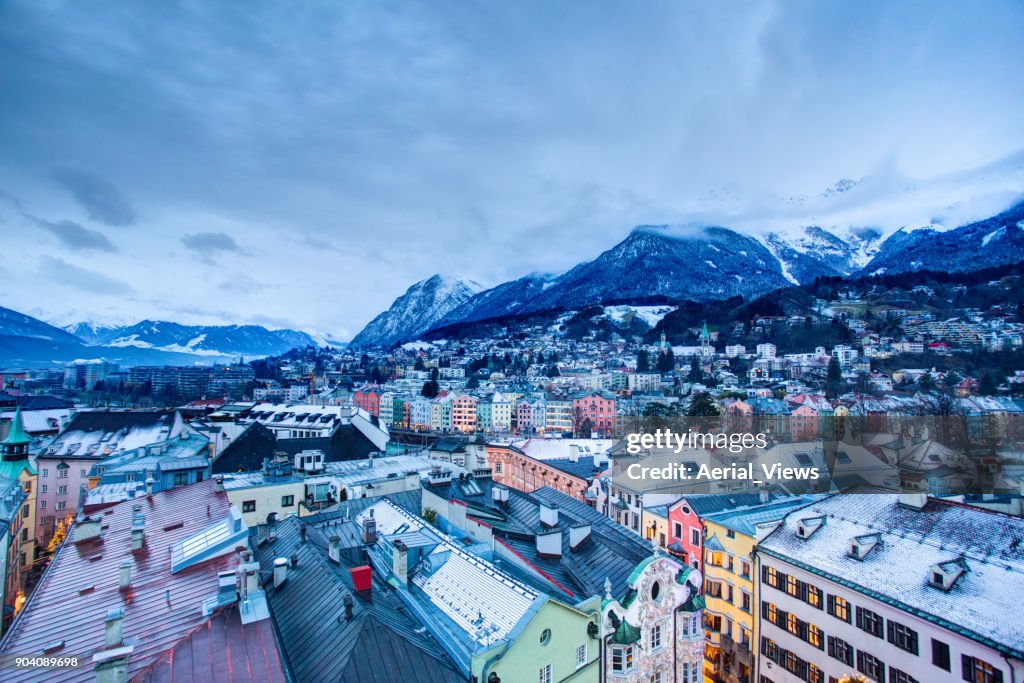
(149, 486)
(549, 544)
(125, 575)
(348, 602)
(578, 535)
(369, 529)
(138, 528)
(913, 500)
(334, 549)
(762, 494)
(218, 483)
(294, 560)
(549, 515)
(280, 571)
(88, 527)
(113, 628)
(400, 562)
(302, 533)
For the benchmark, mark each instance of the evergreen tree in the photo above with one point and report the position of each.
(702, 405)
(987, 385)
(666, 361)
(430, 389)
(926, 382)
(642, 360)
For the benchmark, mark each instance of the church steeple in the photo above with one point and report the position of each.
(15, 446)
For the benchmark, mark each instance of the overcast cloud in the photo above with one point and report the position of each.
(334, 153)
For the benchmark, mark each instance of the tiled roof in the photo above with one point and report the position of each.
(911, 542)
(81, 584)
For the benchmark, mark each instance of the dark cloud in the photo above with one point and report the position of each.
(76, 236)
(205, 242)
(98, 196)
(59, 271)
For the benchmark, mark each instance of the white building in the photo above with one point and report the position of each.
(766, 350)
(900, 588)
(733, 350)
(844, 354)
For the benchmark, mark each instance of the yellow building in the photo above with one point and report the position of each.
(15, 464)
(654, 525)
(730, 587)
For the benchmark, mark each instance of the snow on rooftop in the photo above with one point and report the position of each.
(912, 541)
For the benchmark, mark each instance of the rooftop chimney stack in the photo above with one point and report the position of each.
(369, 529)
(349, 603)
(111, 664)
(400, 562)
(218, 483)
(334, 548)
(113, 628)
(578, 535)
(138, 528)
(280, 571)
(549, 515)
(88, 527)
(149, 486)
(125, 575)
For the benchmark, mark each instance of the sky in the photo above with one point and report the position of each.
(301, 164)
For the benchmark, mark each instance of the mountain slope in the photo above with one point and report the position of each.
(991, 242)
(505, 299)
(416, 311)
(200, 340)
(14, 324)
(697, 263)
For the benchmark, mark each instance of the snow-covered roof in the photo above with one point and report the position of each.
(912, 541)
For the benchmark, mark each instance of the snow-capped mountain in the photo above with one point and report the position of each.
(672, 262)
(198, 340)
(991, 242)
(416, 311)
(505, 299)
(15, 324)
(815, 252)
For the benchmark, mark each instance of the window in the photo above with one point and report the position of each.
(814, 674)
(791, 586)
(24, 535)
(62, 490)
(871, 666)
(249, 506)
(287, 501)
(897, 676)
(181, 478)
(902, 637)
(130, 476)
(42, 505)
(677, 529)
(813, 596)
(62, 474)
(745, 601)
(869, 622)
(545, 636)
(771, 576)
(841, 650)
(729, 533)
(82, 473)
(45, 472)
(581, 656)
(814, 636)
(839, 608)
(497, 468)
(42, 488)
(979, 671)
(61, 505)
(656, 641)
(792, 624)
(695, 537)
(656, 677)
(622, 659)
(545, 674)
(745, 568)
(940, 654)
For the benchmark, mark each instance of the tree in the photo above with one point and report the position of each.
(473, 383)
(418, 365)
(430, 389)
(702, 405)
(987, 385)
(666, 361)
(926, 382)
(434, 374)
(696, 375)
(643, 363)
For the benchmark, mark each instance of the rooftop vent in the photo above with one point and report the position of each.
(549, 515)
(87, 527)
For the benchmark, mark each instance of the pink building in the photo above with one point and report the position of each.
(464, 413)
(686, 534)
(88, 438)
(368, 398)
(597, 409)
(804, 423)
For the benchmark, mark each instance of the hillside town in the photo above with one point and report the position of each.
(456, 500)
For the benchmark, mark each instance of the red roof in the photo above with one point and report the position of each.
(161, 609)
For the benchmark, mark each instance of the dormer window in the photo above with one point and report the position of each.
(860, 546)
(944, 575)
(806, 527)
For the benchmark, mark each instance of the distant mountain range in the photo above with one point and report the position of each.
(25, 340)
(660, 264)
